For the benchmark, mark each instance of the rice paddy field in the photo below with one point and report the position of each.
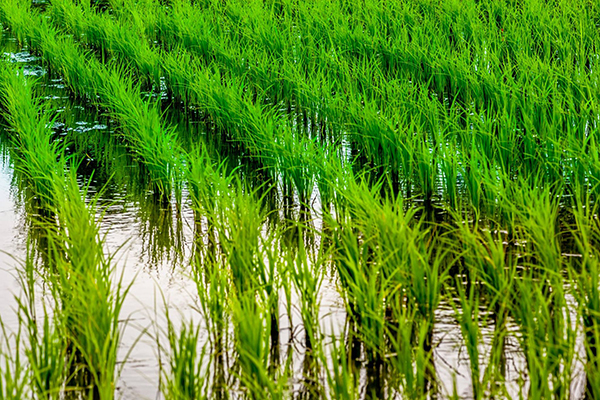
(292, 199)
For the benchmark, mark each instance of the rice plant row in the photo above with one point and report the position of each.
(71, 342)
(149, 138)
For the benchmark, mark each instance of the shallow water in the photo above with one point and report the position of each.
(11, 245)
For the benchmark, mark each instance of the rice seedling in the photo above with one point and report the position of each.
(13, 380)
(209, 182)
(295, 168)
(49, 363)
(212, 286)
(185, 377)
(541, 309)
(586, 279)
(341, 379)
(29, 121)
(548, 342)
(491, 267)
(46, 350)
(252, 299)
(410, 358)
(365, 291)
(469, 325)
(306, 274)
(252, 328)
(95, 30)
(228, 105)
(92, 325)
(389, 269)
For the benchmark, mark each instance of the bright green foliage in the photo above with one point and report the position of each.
(84, 335)
(417, 156)
(185, 379)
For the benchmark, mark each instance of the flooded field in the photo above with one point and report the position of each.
(299, 200)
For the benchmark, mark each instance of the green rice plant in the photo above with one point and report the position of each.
(472, 171)
(242, 244)
(212, 289)
(47, 347)
(460, 69)
(94, 29)
(185, 378)
(385, 254)
(492, 100)
(259, 129)
(293, 166)
(585, 274)
(307, 276)
(13, 375)
(449, 168)
(502, 97)
(341, 377)
(427, 274)
(13, 13)
(425, 167)
(547, 340)
(81, 282)
(251, 321)
(90, 300)
(410, 356)
(537, 210)
(468, 319)
(364, 291)
(393, 264)
(29, 120)
(212, 285)
(151, 139)
(49, 361)
(252, 256)
(492, 267)
(326, 175)
(296, 164)
(210, 185)
(541, 308)
(39, 159)
(251, 261)
(208, 182)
